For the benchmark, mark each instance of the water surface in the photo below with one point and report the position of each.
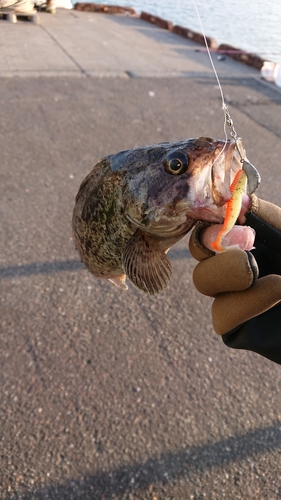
(252, 25)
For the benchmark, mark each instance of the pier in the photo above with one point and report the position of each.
(111, 394)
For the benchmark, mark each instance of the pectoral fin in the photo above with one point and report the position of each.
(146, 264)
(120, 281)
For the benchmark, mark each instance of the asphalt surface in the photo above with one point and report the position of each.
(108, 394)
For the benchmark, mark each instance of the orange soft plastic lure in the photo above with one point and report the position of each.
(232, 210)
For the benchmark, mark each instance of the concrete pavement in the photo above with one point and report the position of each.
(108, 394)
(81, 43)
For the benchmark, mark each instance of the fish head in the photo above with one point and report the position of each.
(134, 205)
(170, 186)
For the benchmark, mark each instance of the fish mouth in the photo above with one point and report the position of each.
(225, 166)
(210, 185)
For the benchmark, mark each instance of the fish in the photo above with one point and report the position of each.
(136, 204)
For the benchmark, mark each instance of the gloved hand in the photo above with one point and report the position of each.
(240, 291)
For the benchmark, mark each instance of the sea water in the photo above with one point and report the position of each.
(251, 25)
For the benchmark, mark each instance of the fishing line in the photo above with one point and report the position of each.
(253, 176)
(227, 118)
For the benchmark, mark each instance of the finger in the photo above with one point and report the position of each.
(266, 211)
(231, 309)
(228, 271)
(242, 237)
(197, 250)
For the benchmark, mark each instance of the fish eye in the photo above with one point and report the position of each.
(177, 163)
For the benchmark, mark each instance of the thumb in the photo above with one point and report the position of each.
(231, 309)
(242, 237)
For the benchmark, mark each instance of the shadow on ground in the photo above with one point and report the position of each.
(161, 470)
(22, 270)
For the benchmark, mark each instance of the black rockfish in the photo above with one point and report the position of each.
(134, 205)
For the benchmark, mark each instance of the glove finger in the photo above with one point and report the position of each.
(266, 211)
(242, 237)
(197, 250)
(203, 235)
(228, 271)
(234, 308)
